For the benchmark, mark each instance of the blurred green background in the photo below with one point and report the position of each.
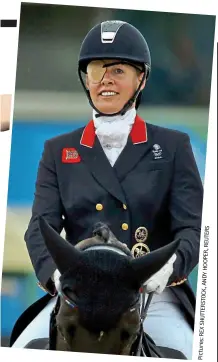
(49, 101)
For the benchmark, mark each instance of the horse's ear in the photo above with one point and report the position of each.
(146, 266)
(62, 252)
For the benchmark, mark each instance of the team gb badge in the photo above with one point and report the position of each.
(157, 151)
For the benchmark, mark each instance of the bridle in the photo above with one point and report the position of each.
(143, 305)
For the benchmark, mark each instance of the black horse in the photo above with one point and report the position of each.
(99, 308)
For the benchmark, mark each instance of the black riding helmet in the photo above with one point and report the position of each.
(115, 40)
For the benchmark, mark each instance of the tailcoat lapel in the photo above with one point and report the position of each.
(93, 155)
(98, 164)
(137, 146)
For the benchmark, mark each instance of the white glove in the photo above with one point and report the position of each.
(55, 278)
(157, 283)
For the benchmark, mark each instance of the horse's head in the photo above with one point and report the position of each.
(100, 282)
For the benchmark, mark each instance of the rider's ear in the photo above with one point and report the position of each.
(87, 82)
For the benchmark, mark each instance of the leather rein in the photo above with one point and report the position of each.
(143, 314)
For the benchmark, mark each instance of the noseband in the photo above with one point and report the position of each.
(143, 305)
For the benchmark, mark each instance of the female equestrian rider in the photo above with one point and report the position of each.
(139, 178)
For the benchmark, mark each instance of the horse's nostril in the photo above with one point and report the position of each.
(124, 335)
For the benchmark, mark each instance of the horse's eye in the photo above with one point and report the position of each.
(71, 330)
(124, 335)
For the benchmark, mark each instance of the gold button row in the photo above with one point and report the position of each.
(125, 226)
(99, 207)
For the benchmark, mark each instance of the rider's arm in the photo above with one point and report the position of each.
(47, 203)
(186, 210)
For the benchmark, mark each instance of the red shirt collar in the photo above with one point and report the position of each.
(138, 133)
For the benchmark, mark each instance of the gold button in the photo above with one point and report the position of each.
(125, 226)
(99, 207)
(124, 206)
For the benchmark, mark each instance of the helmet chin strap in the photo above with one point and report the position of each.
(125, 108)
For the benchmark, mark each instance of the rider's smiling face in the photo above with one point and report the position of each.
(114, 87)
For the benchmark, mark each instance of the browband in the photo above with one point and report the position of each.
(105, 247)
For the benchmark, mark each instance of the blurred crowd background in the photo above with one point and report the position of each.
(49, 101)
